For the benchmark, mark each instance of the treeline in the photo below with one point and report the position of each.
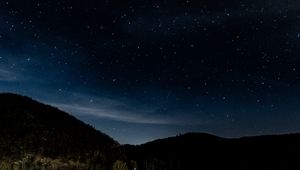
(31, 162)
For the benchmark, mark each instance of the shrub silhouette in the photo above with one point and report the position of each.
(120, 165)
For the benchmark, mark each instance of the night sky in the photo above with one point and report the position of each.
(139, 70)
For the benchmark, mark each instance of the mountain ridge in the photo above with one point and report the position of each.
(39, 136)
(30, 128)
(198, 151)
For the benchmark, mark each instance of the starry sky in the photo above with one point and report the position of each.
(141, 70)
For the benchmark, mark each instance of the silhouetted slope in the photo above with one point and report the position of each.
(27, 126)
(38, 136)
(203, 151)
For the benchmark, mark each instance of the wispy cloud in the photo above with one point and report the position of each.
(115, 114)
(6, 75)
(107, 108)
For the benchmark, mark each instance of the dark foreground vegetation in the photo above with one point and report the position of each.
(35, 136)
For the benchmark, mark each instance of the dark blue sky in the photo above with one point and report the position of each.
(141, 70)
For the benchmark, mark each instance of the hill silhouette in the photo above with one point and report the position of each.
(204, 151)
(29, 128)
(37, 136)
